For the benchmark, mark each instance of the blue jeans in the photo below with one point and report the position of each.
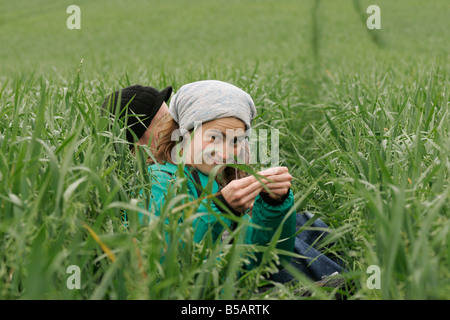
(317, 264)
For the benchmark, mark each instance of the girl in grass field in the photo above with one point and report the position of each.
(211, 118)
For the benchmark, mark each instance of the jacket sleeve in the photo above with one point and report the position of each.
(208, 222)
(269, 215)
(162, 183)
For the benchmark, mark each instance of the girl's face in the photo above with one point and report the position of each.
(216, 142)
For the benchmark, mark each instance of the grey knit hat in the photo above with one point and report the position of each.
(208, 100)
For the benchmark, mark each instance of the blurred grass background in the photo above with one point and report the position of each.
(363, 118)
(151, 36)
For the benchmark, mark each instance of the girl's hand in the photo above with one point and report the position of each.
(240, 194)
(280, 181)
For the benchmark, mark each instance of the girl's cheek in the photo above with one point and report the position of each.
(196, 150)
(205, 144)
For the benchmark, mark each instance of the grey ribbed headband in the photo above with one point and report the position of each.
(208, 100)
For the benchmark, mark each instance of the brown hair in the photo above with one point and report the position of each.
(165, 146)
(165, 143)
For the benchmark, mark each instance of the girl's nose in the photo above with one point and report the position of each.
(224, 155)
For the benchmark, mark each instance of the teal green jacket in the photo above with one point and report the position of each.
(267, 215)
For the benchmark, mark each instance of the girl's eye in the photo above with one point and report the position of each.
(214, 138)
(237, 140)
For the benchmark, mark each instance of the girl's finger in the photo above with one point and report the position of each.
(273, 171)
(252, 187)
(244, 182)
(250, 198)
(278, 185)
(278, 177)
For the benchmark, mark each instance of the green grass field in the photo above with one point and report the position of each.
(364, 124)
